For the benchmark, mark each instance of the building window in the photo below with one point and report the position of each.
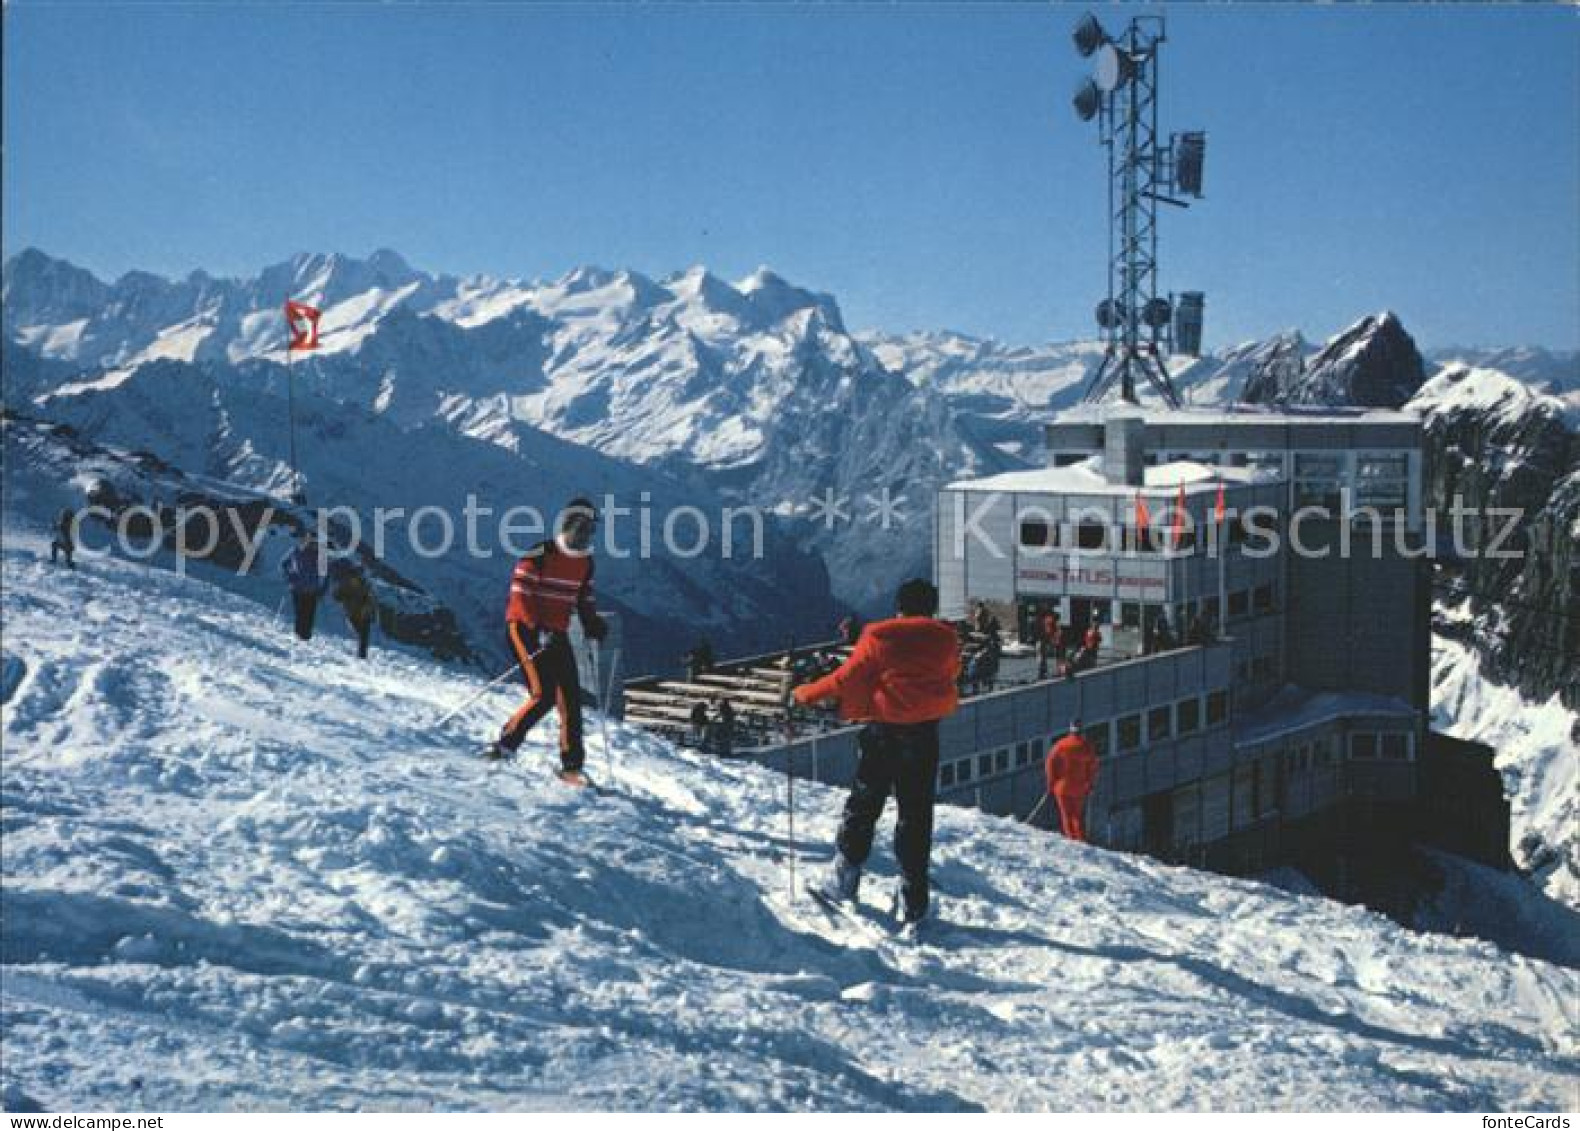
(1130, 733)
(1217, 707)
(1037, 535)
(1262, 599)
(1382, 482)
(1159, 723)
(1395, 748)
(963, 770)
(1142, 540)
(1023, 754)
(1239, 603)
(1363, 747)
(1091, 536)
(1318, 479)
(1097, 734)
(1188, 714)
(984, 764)
(1001, 760)
(946, 776)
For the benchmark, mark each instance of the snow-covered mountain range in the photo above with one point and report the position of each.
(273, 882)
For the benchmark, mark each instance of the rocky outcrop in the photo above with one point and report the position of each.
(1373, 364)
(1495, 445)
(1268, 372)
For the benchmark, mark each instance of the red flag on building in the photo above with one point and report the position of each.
(1179, 518)
(1143, 520)
(1219, 510)
(302, 321)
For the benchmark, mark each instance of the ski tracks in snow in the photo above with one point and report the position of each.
(243, 871)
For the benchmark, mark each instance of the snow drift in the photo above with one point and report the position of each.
(243, 872)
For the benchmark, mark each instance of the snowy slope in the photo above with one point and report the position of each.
(1538, 753)
(1555, 372)
(228, 424)
(272, 881)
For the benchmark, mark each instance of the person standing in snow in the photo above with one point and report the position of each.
(553, 580)
(849, 629)
(307, 573)
(699, 724)
(1162, 634)
(699, 661)
(1050, 649)
(899, 681)
(992, 654)
(1093, 640)
(726, 713)
(1072, 769)
(64, 543)
(355, 596)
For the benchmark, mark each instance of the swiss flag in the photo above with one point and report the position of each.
(302, 320)
(1219, 510)
(1179, 518)
(1143, 518)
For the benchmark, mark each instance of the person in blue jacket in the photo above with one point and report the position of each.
(306, 571)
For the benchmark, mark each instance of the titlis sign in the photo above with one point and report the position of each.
(1090, 579)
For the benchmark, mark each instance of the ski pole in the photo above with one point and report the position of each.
(785, 700)
(490, 685)
(279, 610)
(603, 703)
(790, 797)
(1038, 809)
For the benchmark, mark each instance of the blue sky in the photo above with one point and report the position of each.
(919, 162)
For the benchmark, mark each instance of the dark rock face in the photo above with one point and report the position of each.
(1514, 453)
(1373, 364)
(1276, 367)
(1543, 606)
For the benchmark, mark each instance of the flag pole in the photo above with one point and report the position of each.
(290, 417)
(1223, 566)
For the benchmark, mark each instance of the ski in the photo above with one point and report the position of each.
(839, 912)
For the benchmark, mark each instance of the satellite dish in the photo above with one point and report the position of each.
(1089, 35)
(1114, 68)
(1157, 313)
(1088, 99)
(1110, 313)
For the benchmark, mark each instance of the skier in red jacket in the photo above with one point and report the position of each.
(553, 580)
(901, 679)
(1072, 769)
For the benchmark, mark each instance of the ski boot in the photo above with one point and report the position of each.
(574, 778)
(842, 882)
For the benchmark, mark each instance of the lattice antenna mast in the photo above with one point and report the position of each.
(1141, 326)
